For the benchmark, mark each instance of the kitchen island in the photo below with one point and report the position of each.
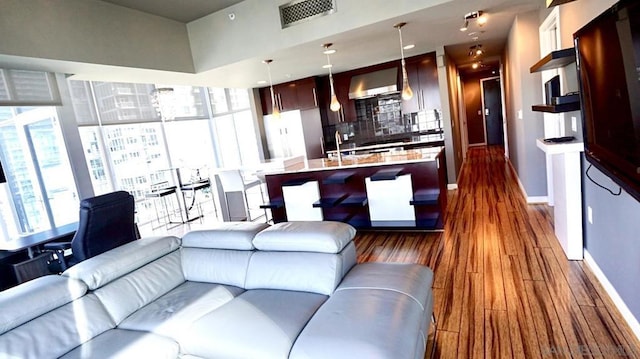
(396, 189)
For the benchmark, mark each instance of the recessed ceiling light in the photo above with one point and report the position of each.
(326, 66)
(409, 47)
(262, 82)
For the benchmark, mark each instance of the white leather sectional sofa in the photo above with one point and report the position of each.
(241, 290)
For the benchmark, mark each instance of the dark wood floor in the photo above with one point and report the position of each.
(503, 287)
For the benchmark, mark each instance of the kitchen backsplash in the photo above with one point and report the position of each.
(380, 120)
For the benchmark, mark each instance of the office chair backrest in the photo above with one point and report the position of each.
(106, 222)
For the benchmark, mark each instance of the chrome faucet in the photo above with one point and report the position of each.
(338, 142)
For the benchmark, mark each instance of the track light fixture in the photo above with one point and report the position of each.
(465, 26)
(479, 16)
(475, 50)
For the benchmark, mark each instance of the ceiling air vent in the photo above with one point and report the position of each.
(298, 11)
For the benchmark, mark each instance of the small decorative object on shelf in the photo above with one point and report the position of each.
(554, 60)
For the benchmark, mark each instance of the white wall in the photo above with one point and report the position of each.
(217, 41)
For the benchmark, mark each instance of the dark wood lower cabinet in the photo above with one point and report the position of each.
(344, 197)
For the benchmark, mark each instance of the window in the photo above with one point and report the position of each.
(41, 187)
(128, 147)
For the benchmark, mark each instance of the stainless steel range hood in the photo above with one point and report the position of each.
(373, 83)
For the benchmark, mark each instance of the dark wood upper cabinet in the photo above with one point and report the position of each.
(347, 110)
(307, 93)
(295, 95)
(265, 100)
(287, 96)
(423, 79)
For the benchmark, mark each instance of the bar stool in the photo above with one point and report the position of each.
(160, 192)
(236, 203)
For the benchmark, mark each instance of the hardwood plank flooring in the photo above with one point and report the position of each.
(503, 287)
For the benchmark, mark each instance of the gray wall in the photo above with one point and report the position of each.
(523, 90)
(613, 240)
(93, 32)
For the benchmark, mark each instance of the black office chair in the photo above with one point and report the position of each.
(106, 222)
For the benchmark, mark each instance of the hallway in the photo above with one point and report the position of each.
(503, 287)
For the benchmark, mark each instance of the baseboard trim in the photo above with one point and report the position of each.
(615, 297)
(452, 186)
(537, 199)
(529, 199)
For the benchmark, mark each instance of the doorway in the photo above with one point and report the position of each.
(492, 110)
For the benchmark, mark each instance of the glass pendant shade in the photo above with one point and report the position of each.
(335, 104)
(275, 111)
(407, 93)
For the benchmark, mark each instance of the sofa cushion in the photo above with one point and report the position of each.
(365, 323)
(221, 266)
(412, 280)
(29, 300)
(54, 333)
(226, 235)
(173, 313)
(259, 324)
(106, 267)
(300, 271)
(120, 344)
(323, 237)
(133, 291)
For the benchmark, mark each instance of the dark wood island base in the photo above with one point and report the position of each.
(346, 191)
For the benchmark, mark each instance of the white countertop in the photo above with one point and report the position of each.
(373, 159)
(551, 148)
(385, 145)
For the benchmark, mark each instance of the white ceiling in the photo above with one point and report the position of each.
(375, 43)
(178, 10)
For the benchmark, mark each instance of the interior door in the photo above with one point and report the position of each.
(492, 107)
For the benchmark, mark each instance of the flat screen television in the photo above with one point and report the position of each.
(608, 63)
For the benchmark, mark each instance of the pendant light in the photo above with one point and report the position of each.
(407, 93)
(335, 104)
(274, 105)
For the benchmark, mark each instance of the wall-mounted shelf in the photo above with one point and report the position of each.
(556, 59)
(565, 107)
